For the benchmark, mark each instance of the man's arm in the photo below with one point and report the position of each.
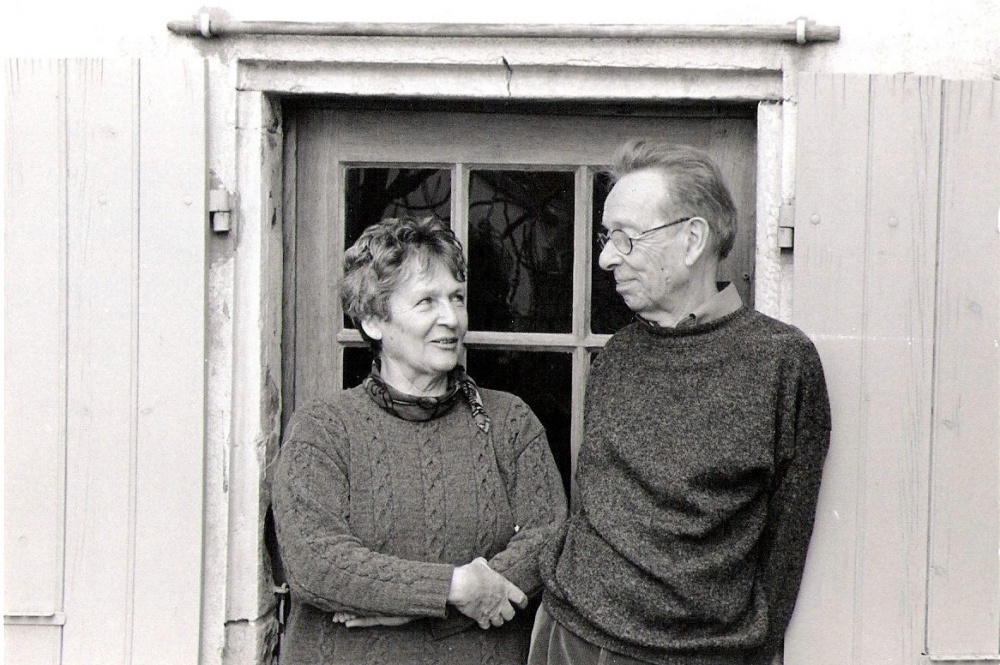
(792, 505)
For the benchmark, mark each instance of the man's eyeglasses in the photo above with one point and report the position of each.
(623, 241)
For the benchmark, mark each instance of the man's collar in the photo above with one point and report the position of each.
(721, 304)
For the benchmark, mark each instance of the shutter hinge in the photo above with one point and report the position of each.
(220, 210)
(786, 226)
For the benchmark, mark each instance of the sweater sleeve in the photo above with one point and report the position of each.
(536, 496)
(326, 565)
(792, 505)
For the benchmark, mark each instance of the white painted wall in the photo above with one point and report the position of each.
(958, 39)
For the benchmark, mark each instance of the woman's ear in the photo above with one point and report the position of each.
(372, 328)
(698, 234)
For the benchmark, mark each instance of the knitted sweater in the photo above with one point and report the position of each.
(698, 480)
(373, 513)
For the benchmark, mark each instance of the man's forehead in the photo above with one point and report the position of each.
(636, 196)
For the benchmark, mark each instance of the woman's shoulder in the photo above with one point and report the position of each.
(509, 413)
(500, 401)
(333, 413)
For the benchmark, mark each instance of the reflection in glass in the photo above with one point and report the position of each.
(608, 311)
(544, 380)
(521, 251)
(374, 193)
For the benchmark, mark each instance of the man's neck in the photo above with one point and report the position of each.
(697, 292)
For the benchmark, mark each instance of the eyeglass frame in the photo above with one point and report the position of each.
(604, 238)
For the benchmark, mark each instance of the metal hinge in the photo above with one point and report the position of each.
(786, 226)
(220, 210)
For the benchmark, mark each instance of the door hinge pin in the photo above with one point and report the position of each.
(220, 210)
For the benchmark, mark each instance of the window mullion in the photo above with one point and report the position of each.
(581, 253)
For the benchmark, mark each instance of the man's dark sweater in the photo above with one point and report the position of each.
(698, 479)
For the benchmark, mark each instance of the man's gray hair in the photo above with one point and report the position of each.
(694, 183)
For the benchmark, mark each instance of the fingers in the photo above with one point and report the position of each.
(344, 617)
(367, 622)
(485, 595)
(516, 596)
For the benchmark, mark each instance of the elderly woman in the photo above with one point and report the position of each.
(410, 510)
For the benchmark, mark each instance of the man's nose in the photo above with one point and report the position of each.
(609, 257)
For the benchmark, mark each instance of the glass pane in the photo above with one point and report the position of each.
(374, 193)
(357, 364)
(521, 251)
(608, 311)
(544, 380)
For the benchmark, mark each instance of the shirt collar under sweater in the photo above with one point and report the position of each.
(718, 306)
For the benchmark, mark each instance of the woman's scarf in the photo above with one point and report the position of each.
(410, 407)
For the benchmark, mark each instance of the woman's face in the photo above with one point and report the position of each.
(422, 338)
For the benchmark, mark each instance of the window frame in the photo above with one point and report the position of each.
(455, 70)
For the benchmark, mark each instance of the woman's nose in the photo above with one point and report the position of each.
(447, 313)
(609, 256)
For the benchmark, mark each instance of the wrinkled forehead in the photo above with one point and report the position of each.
(636, 200)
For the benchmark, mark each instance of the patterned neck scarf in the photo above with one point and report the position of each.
(419, 409)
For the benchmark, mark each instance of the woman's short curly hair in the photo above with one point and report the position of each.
(374, 265)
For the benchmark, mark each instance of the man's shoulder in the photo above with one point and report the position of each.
(787, 335)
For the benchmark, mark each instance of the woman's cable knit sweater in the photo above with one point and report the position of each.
(373, 513)
(698, 477)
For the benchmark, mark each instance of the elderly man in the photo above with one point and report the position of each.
(707, 424)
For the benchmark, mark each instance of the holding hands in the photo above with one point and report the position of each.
(483, 594)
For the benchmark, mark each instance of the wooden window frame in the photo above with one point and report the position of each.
(765, 75)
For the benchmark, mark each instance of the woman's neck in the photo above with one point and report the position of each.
(417, 386)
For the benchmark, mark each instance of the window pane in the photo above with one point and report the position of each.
(521, 251)
(372, 194)
(357, 364)
(608, 311)
(544, 380)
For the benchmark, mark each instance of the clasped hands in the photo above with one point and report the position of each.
(477, 591)
(483, 594)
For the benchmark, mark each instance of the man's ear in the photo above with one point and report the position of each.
(698, 235)
(372, 328)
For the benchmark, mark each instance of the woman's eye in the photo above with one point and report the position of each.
(459, 298)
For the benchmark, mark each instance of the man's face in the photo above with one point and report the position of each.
(650, 276)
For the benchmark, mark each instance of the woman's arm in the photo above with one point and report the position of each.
(327, 566)
(535, 493)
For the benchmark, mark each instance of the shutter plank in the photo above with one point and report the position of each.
(897, 358)
(964, 589)
(102, 257)
(34, 355)
(171, 343)
(830, 226)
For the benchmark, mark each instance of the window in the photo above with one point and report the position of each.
(521, 188)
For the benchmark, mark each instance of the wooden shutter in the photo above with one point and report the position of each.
(106, 253)
(896, 280)
(964, 586)
(34, 360)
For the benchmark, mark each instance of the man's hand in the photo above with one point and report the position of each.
(483, 594)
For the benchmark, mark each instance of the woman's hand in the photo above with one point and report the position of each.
(483, 594)
(352, 620)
